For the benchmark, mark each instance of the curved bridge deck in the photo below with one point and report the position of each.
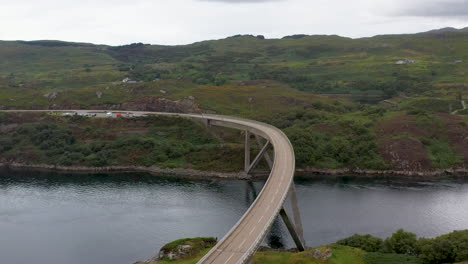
(243, 239)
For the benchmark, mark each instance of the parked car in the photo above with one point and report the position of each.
(109, 114)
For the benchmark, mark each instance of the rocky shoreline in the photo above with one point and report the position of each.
(430, 175)
(191, 173)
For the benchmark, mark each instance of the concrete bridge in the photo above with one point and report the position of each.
(241, 242)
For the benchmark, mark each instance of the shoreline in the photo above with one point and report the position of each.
(307, 173)
(179, 172)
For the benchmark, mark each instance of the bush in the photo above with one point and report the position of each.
(400, 242)
(448, 248)
(364, 242)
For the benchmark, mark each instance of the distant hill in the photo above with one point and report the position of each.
(428, 64)
(446, 30)
(306, 85)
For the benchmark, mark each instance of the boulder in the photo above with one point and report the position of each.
(51, 96)
(181, 249)
(323, 253)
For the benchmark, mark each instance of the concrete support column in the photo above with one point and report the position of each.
(296, 213)
(297, 240)
(259, 156)
(266, 155)
(247, 151)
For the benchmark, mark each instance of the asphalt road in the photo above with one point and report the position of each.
(241, 242)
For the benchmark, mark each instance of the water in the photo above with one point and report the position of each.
(122, 218)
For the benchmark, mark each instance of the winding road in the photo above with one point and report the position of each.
(241, 242)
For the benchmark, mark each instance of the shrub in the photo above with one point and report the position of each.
(400, 242)
(364, 242)
(448, 248)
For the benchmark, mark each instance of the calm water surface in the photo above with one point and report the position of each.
(122, 218)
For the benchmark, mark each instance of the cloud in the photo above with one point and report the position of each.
(240, 1)
(120, 22)
(437, 8)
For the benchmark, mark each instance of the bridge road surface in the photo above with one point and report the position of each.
(241, 242)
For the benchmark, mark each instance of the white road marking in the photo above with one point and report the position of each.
(259, 220)
(232, 255)
(241, 244)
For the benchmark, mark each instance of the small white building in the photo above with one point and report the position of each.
(402, 62)
(128, 80)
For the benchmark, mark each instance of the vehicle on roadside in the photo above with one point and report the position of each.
(109, 114)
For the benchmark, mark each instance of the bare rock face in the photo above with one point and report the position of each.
(162, 105)
(321, 253)
(185, 248)
(180, 252)
(99, 94)
(151, 104)
(51, 96)
(62, 107)
(181, 249)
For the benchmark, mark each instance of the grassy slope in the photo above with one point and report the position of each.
(326, 64)
(326, 132)
(340, 255)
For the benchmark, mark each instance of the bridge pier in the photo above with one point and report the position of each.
(250, 165)
(266, 155)
(247, 152)
(258, 157)
(296, 213)
(295, 236)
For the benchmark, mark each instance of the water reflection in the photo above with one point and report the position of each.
(121, 218)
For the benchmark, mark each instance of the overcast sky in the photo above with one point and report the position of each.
(118, 22)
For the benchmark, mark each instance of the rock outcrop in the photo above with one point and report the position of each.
(51, 96)
(181, 249)
(186, 105)
(155, 104)
(321, 253)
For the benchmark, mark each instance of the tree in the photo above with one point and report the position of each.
(364, 242)
(401, 242)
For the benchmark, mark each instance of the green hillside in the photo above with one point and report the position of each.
(319, 64)
(309, 86)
